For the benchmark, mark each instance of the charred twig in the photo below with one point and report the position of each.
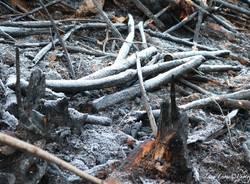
(143, 37)
(71, 70)
(206, 54)
(145, 98)
(6, 35)
(18, 83)
(29, 24)
(240, 95)
(233, 7)
(150, 85)
(105, 17)
(36, 10)
(8, 7)
(177, 40)
(198, 24)
(88, 51)
(149, 14)
(15, 31)
(181, 23)
(31, 45)
(45, 49)
(147, 22)
(38, 152)
(237, 104)
(216, 18)
(123, 52)
(121, 65)
(218, 68)
(195, 87)
(223, 23)
(246, 148)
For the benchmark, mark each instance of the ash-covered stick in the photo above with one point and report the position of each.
(150, 85)
(145, 98)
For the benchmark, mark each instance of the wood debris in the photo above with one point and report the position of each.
(134, 91)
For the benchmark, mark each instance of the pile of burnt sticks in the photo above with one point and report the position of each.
(157, 67)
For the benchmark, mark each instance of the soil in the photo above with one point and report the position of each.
(219, 159)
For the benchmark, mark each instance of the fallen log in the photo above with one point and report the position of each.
(150, 85)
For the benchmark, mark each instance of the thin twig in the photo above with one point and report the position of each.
(38, 152)
(6, 35)
(198, 24)
(9, 7)
(233, 7)
(105, 17)
(143, 37)
(157, 15)
(195, 87)
(18, 82)
(36, 10)
(227, 121)
(71, 70)
(145, 98)
(149, 14)
(181, 23)
(123, 52)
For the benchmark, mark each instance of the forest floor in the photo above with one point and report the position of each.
(219, 132)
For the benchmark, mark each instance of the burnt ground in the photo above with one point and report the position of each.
(215, 156)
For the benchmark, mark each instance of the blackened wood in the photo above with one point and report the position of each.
(205, 102)
(149, 14)
(206, 54)
(233, 7)
(174, 123)
(121, 65)
(29, 117)
(36, 10)
(181, 23)
(105, 17)
(150, 85)
(169, 37)
(58, 113)
(18, 83)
